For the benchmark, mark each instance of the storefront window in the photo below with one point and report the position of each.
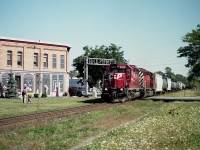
(28, 82)
(61, 80)
(5, 78)
(46, 82)
(54, 83)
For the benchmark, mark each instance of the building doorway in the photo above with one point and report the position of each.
(18, 82)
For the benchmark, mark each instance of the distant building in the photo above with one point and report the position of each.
(35, 64)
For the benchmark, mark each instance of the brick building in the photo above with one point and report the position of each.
(35, 64)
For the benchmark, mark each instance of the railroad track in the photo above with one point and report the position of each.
(53, 114)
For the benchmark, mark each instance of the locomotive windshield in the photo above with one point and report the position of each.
(118, 70)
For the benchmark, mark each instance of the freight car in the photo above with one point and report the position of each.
(158, 83)
(123, 82)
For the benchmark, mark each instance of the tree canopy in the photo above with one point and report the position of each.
(96, 72)
(192, 52)
(73, 73)
(174, 77)
(170, 74)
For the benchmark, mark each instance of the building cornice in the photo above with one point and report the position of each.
(35, 42)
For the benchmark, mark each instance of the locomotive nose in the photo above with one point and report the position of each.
(117, 80)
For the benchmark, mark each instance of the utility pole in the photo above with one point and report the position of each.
(86, 74)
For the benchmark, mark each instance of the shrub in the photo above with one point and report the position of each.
(36, 95)
(12, 86)
(65, 94)
(44, 95)
(29, 95)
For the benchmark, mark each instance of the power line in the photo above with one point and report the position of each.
(155, 60)
(146, 60)
(169, 64)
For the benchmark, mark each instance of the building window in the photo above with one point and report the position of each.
(19, 58)
(5, 79)
(54, 61)
(28, 82)
(9, 58)
(62, 61)
(45, 61)
(46, 83)
(54, 83)
(61, 83)
(35, 63)
(57, 83)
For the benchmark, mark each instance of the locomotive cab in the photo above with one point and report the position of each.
(123, 82)
(115, 82)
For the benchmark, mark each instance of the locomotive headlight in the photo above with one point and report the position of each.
(121, 89)
(106, 89)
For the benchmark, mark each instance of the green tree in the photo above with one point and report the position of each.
(169, 73)
(181, 78)
(175, 77)
(160, 72)
(12, 87)
(192, 52)
(73, 73)
(96, 72)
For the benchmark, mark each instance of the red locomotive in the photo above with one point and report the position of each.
(124, 82)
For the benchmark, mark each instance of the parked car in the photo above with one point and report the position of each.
(76, 91)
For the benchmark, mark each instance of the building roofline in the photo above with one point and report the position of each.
(34, 42)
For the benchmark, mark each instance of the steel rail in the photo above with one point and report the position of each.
(53, 114)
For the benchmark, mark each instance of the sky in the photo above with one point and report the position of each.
(149, 31)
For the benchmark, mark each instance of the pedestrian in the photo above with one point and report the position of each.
(24, 95)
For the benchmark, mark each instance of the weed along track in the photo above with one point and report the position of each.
(85, 125)
(53, 114)
(139, 124)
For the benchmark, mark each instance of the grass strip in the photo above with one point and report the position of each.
(66, 133)
(15, 107)
(159, 130)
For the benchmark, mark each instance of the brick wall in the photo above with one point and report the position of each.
(28, 50)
